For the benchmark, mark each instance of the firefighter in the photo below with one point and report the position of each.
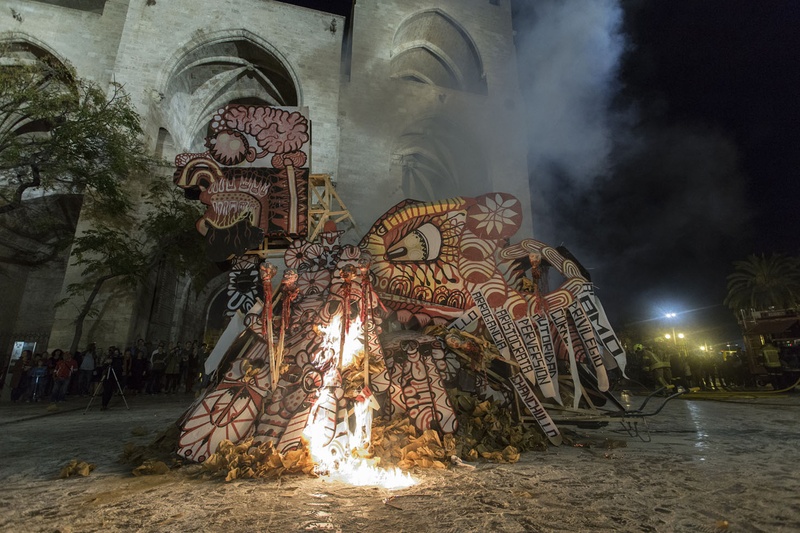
(634, 368)
(679, 371)
(659, 368)
(655, 365)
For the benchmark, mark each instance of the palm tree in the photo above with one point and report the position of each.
(761, 282)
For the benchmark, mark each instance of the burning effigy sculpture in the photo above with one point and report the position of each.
(434, 305)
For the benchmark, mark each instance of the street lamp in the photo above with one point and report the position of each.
(674, 337)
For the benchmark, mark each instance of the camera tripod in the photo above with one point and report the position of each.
(106, 381)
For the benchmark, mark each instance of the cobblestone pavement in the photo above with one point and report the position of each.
(709, 466)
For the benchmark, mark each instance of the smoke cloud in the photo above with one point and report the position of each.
(569, 54)
(651, 204)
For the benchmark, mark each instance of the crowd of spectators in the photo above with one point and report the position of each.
(141, 368)
(660, 365)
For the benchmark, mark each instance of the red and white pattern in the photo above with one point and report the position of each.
(227, 413)
(426, 262)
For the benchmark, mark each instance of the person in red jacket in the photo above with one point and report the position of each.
(65, 368)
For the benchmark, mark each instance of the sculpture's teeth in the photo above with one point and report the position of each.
(226, 210)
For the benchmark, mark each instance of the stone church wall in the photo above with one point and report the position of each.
(368, 121)
(376, 108)
(85, 38)
(156, 37)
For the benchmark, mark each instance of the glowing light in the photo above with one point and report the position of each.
(341, 450)
(667, 336)
(332, 339)
(670, 315)
(681, 335)
(361, 474)
(343, 454)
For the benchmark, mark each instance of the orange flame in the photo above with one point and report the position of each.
(340, 452)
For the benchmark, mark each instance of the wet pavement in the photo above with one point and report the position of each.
(24, 411)
(709, 465)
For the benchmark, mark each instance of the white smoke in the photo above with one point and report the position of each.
(569, 53)
(650, 201)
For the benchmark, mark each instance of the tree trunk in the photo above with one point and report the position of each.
(16, 202)
(87, 306)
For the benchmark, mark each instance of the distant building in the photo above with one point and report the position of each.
(781, 327)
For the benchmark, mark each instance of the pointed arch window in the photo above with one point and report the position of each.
(435, 159)
(431, 47)
(230, 70)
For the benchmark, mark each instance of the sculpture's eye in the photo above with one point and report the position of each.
(422, 244)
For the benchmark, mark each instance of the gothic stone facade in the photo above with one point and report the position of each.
(407, 98)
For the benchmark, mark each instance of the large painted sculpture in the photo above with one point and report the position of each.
(392, 326)
(266, 198)
(253, 180)
(436, 261)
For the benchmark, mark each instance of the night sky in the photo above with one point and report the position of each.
(733, 66)
(685, 146)
(664, 145)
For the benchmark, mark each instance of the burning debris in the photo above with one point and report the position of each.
(248, 460)
(488, 433)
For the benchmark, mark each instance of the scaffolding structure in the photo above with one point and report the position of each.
(324, 204)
